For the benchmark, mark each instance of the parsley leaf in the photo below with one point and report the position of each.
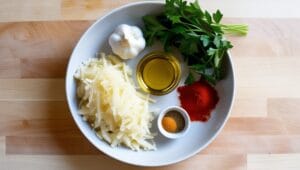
(217, 16)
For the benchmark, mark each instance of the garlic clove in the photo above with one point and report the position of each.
(127, 41)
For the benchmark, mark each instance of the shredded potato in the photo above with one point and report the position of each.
(111, 104)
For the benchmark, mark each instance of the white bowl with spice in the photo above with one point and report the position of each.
(173, 122)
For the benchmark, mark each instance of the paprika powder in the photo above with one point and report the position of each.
(198, 99)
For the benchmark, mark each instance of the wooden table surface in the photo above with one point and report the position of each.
(36, 128)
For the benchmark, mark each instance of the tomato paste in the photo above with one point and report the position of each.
(198, 99)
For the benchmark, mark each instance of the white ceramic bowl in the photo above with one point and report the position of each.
(177, 135)
(95, 40)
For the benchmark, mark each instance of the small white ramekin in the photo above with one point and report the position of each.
(176, 135)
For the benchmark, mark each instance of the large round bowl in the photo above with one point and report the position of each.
(200, 134)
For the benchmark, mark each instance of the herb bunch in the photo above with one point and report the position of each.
(197, 34)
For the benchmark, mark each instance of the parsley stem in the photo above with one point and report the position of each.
(235, 29)
(198, 28)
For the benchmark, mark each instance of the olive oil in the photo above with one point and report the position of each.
(158, 73)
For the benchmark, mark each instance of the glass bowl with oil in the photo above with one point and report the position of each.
(173, 122)
(158, 73)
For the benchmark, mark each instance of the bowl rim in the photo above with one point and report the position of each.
(230, 63)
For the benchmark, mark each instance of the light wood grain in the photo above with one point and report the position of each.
(273, 161)
(50, 145)
(37, 49)
(38, 132)
(267, 38)
(20, 110)
(235, 162)
(56, 127)
(88, 9)
(254, 8)
(31, 89)
(2, 147)
(36, 10)
(254, 144)
(9, 65)
(287, 111)
(243, 107)
(33, 10)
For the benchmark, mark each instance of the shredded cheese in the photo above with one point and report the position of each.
(111, 104)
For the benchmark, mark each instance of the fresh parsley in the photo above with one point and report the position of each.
(198, 35)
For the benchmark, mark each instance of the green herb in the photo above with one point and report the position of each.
(198, 35)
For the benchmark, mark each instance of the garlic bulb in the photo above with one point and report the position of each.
(127, 41)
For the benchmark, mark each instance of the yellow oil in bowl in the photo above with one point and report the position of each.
(158, 73)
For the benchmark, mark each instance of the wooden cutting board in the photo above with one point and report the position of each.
(36, 128)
